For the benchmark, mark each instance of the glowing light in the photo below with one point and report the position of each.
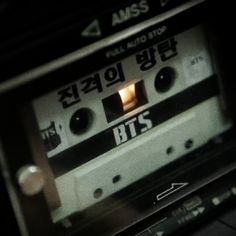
(128, 97)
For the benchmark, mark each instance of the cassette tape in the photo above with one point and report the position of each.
(121, 123)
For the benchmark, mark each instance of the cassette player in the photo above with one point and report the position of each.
(108, 135)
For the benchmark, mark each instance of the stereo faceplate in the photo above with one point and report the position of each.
(167, 86)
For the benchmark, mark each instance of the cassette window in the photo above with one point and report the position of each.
(125, 100)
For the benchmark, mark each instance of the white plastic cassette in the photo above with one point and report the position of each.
(117, 125)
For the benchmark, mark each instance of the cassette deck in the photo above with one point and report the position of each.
(116, 131)
(127, 142)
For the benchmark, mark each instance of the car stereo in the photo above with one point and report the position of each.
(118, 122)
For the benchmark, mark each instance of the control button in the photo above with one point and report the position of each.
(164, 79)
(92, 30)
(30, 179)
(192, 203)
(81, 121)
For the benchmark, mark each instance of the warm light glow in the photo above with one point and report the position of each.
(128, 97)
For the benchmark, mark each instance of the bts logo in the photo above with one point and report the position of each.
(50, 137)
(132, 128)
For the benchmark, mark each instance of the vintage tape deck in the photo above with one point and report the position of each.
(116, 124)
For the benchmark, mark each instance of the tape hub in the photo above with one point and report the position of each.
(81, 121)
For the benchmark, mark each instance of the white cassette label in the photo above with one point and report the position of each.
(197, 67)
